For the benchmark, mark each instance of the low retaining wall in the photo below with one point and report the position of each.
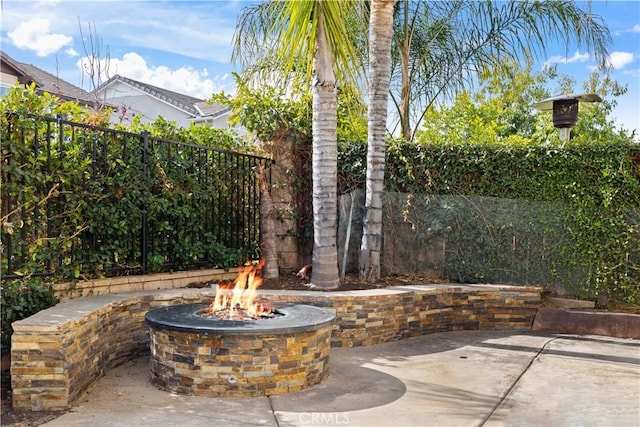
(148, 282)
(559, 321)
(57, 353)
(382, 315)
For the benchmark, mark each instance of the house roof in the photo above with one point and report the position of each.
(14, 68)
(191, 105)
(46, 82)
(211, 110)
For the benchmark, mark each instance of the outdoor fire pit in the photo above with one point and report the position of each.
(237, 347)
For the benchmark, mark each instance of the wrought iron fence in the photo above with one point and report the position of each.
(80, 200)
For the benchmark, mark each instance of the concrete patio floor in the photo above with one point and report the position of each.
(467, 378)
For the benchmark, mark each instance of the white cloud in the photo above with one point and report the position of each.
(185, 80)
(131, 65)
(197, 29)
(634, 29)
(34, 35)
(618, 60)
(559, 59)
(71, 52)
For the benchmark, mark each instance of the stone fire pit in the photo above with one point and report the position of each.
(195, 355)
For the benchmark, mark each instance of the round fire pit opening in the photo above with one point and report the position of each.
(200, 356)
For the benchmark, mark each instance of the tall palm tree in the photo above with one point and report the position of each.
(312, 37)
(380, 35)
(439, 46)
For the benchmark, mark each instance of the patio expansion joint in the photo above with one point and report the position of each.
(273, 412)
(515, 382)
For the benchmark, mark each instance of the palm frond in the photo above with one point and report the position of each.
(280, 36)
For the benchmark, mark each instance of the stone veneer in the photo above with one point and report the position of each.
(216, 365)
(147, 282)
(57, 353)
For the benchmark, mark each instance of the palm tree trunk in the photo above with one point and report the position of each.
(404, 49)
(380, 34)
(325, 170)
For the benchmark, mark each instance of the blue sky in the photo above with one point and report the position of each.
(185, 46)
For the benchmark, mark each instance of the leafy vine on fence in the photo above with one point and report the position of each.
(75, 197)
(594, 187)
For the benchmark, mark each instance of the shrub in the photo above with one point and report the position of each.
(21, 299)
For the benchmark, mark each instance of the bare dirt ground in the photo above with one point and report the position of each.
(9, 417)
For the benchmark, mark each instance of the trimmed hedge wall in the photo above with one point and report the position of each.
(597, 187)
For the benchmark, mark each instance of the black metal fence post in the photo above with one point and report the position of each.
(145, 165)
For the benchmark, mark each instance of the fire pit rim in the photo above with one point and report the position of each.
(184, 318)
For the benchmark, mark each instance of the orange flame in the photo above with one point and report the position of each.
(241, 299)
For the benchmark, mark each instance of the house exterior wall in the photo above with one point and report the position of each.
(7, 81)
(218, 122)
(139, 102)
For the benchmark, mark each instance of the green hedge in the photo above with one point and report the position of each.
(533, 173)
(21, 299)
(597, 188)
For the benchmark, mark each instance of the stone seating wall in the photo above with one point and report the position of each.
(148, 282)
(57, 353)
